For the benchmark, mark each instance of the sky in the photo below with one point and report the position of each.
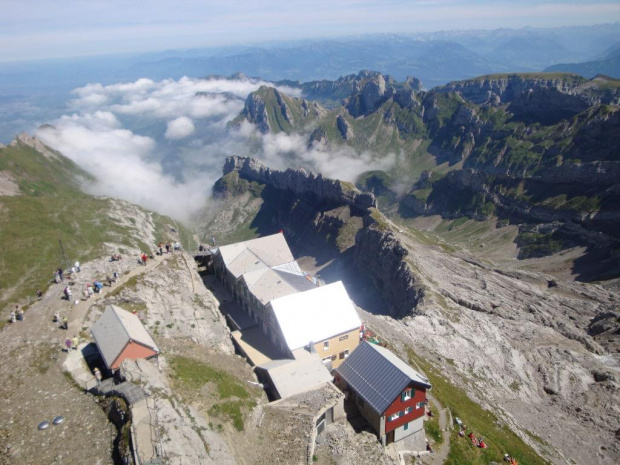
(41, 29)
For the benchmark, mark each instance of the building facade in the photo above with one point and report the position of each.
(388, 393)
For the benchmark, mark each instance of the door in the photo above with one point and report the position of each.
(390, 438)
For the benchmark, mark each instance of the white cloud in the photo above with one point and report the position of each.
(179, 128)
(163, 144)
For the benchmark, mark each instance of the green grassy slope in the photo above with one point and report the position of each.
(51, 207)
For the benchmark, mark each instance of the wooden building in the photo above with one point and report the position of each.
(389, 394)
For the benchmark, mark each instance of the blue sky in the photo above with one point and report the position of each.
(33, 29)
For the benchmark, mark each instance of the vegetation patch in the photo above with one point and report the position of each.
(233, 397)
(498, 437)
(533, 244)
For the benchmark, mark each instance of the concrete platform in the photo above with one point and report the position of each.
(255, 346)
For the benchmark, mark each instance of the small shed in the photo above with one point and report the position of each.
(120, 335)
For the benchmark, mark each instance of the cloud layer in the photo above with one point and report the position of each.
(162, 144)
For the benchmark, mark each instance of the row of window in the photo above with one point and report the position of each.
(342, 355)
(402, 413)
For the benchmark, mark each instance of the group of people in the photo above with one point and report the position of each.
(64, 321)
(476, 441)
(116, 257)
(510, 460)
(72, 343)
(17, 314)
(168, 246)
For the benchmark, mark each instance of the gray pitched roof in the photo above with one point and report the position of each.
(378, 376)
(114, 329)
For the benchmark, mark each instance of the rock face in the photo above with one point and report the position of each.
(344, 128)
(299, 182)
(505, 88)
(256, 112)
(380, 255)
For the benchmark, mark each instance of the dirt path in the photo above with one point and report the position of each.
(441, 451)
(34, 389)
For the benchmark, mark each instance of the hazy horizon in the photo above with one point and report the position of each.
(81, 29)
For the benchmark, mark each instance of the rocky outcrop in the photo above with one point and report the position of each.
(380, 255)
(506, 88)
(300, 182)
(344, 127)
(256, 112)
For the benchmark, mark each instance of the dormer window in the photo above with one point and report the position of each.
(406, 395)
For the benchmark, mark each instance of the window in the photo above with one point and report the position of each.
(344, 354)
(420, 405)
(343, 338)
(393, 417)
(334, 357)
(327, 360)
(405, 426)
(408, 410)
(325, 345)
(406, 395)
(401, 413)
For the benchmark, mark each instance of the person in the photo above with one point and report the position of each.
(60, 273)
(65, 322)
(12, 317)
(67, 292)
(98, 286)
(201, 248)
(56, 317)
(39, 294)
(68, 344)
(115, 276)
(98, 376)
(85, 294)
(56, 277)
(75, 342)
(109, 280)
(177, 246)
(89, 290)
(161, 248)
(20, 314)
(167, 247)
(213, 241)
(73, 271)
(77, 266)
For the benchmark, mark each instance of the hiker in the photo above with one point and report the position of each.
(89, 290)
(73, 271)
(213, 241)
(98, 286)
(56, 317)
(20, 314)
(98, 376)
(109, 280)
(56, 277)
(65, 322)
(167, 247)
(39, 294)
(161, 248)
(177, 246)
(77, 266)
(12, 317)
(115, 276)
(75, 342)
(85, 294)
(60, 273)
(67, 293)
(201, 248)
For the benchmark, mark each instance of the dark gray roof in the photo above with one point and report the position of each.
(378, 376)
